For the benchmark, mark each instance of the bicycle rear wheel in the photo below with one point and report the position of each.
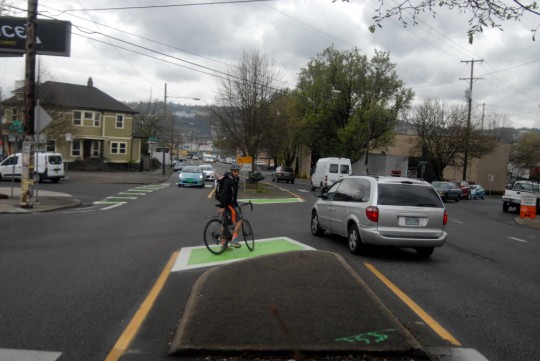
(212, 236)
(247, 232)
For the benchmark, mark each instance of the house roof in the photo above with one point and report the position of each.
(88, 97)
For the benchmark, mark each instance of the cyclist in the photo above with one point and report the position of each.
(228, 204)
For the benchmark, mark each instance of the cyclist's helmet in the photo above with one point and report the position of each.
(235, 166)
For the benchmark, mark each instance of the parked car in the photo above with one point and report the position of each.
(447, 190)
(465, 189)
(255, 177)
(208, 172)
(283, 174)
(477, 191)
(385, 211)
(191, 176)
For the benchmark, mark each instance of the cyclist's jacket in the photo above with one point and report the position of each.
(230, 192)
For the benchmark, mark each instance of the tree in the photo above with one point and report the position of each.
(281, 140)
(350, 103)
(62, 122)
(526, 152)
(483, 13)
(244, 101)
(441, 133)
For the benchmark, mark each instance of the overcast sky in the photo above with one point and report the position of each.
(131, 53)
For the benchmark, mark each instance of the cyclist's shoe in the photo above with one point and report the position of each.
(235, 243)
(225, 247)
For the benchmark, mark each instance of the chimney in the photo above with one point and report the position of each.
(90, 83)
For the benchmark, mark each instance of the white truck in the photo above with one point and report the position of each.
(514, 190)
(328, 171)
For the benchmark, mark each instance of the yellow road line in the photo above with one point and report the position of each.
(133, 327)
(441, 331)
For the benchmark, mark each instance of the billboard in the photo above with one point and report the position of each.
(53, 37)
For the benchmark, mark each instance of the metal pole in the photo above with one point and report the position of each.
(164, 121)
(468, 129)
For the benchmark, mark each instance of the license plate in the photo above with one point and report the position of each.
(412, 221)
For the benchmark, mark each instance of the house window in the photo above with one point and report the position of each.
(119, 120)
(76, 148)
(51, 146)
(118, 148)
(77, 118)
(97, 119)
(13, 114)
(93, 117)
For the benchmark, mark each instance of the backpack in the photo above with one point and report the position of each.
(219, 186)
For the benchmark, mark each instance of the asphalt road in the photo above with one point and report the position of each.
(75, 278)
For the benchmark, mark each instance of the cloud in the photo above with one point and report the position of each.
(188, 46)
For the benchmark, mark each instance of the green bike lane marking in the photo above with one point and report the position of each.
(270, 200)
(196, 257)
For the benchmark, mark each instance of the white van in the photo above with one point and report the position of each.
(46, 166)
(328, 171)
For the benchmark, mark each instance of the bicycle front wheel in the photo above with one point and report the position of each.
(247, 232)
(212, 236)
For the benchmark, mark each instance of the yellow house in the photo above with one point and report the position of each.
(88, 126)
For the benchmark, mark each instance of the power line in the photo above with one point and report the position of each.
(167, 6)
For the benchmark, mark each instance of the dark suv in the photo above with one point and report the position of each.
(385, 211)
(283, 174)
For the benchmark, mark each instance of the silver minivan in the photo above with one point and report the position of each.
(385, 211)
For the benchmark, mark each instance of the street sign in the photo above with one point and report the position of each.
(16, 126)
(245, 163)
(53, 37)
(41, 118)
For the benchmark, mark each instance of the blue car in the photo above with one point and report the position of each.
(191, 176)
(477, 191)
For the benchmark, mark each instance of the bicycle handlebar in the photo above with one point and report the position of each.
(242, 205)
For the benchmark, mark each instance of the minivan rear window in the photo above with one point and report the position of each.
(408, 195)
(333, 168)
(344, 169)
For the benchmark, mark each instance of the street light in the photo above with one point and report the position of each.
(172, 124)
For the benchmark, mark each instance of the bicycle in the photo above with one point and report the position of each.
(214, 229)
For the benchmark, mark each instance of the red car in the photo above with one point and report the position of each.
(465, 189)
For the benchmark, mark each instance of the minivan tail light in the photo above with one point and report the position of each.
(445, 218)
(372, 213)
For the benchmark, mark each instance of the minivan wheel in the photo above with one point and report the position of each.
(355, 243)
(424, 252)
(316, 229)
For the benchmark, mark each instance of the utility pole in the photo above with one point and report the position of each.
(468, 130)
(27, 176)
(163, 128)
